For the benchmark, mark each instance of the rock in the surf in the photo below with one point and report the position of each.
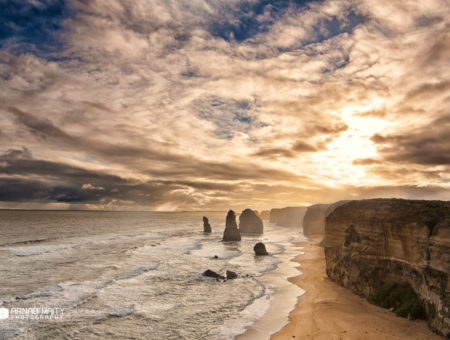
(231, 232)
(213, 274)
(260, 249)
(206, 225)
(231, 275)
(250, 223)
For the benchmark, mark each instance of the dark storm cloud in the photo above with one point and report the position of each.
(365, 161)
(46, 130)
(274, 153)
(427, 145)
(223, 171)
(304, 147)
(172, 164)
(296, 149)
(428, 89)
(59, 182)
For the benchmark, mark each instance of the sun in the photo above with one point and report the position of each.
(354, 143)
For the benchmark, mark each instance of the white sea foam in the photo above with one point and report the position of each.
(239, 323)
(37, 250)
(42, 292)
(148, 271)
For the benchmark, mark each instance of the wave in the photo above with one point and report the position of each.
(41, 292)
(134, 273)
(38, 250)
(122, 312)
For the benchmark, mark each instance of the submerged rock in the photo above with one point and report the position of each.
(260, 249)
(213, 274)
(206, 225)
(231, 275)
(250, 223)
(231, 232)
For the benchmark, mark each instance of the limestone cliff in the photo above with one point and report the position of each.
(288, 217)
(314, 219)
(374, 242)
(265, 215)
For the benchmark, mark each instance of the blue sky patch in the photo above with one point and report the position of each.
(248, 20)
(33, 26)
(228, 115)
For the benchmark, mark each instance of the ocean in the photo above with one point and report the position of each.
(138, 275)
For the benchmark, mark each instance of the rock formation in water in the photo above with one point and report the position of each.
(314, 220)
(288, 217)
(250, 223)
(231, 275)
(377, 242)
(231, 232)
(213, 274)
(260, 249)
(206, 225)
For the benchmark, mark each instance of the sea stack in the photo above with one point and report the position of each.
(206, 225)
(260, 249)
(250, 223)
(231, 232)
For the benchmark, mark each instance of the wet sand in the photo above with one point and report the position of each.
(328, 311)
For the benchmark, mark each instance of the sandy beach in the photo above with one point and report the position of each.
(328, 311)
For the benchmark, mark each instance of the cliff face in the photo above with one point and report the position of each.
(265, 215)
(314, 220)
(288, 217)
(369, 243)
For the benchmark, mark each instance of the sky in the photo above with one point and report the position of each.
(209, 105)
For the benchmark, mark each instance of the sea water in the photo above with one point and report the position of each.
(134, 275)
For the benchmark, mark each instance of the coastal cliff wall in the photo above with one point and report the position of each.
(288, 217)
(370, 243)
(314, 220)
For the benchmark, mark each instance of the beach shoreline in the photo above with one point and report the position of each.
(283, 299)
(329, 311)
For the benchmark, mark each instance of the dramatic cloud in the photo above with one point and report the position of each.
(200, 104)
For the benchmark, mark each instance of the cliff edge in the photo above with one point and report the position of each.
(371, 243)
(288, 217)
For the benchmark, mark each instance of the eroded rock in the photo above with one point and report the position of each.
(260, 249)
(231, 232)
(213, 274)
(250, 223)
(206, 225)
(231, 275)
